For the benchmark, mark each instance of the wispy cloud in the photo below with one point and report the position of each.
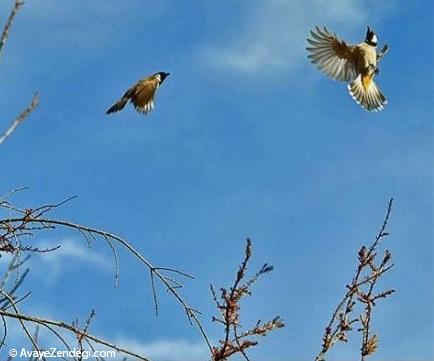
(71, 253)
(167, 350)
(75, 249)
(89, 25)
(161, 350)
(272, 36)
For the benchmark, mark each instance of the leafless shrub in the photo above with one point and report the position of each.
(19, 226)
(360, 292)
(235, 341)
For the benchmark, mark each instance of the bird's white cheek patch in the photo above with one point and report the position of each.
(374, 39)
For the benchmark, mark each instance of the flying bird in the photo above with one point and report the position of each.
(141, 94)
(355, 64)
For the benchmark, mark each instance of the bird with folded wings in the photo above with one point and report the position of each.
(141, 94)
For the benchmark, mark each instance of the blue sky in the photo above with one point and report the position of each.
(247, 139)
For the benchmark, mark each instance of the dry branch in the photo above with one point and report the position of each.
(360, 293)
(24, 222)
(20, 118)
(82, 334)
(35, 100)
(7, 28)
(228, 306)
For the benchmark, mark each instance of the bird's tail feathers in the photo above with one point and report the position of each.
(366, 93)
(119, 105)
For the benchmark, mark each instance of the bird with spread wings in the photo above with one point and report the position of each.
(355, 64)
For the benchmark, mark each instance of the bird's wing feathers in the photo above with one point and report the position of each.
(332, 55)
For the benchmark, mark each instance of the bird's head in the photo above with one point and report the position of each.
(162, 75)
(371, 38)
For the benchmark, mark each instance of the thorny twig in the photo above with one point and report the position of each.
(234, 342)
(360, 292)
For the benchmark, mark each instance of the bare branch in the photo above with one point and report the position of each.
(69, 327)
(229, 307)
(20, 118)
(360, 292)
(7, 28)
(23, 222)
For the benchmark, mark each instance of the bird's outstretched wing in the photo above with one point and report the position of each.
(332, 55)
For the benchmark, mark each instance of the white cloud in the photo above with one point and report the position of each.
(161, 350)
(75, 249)
(82, 25)
(72, 252)
(274, 33)
(167, 350)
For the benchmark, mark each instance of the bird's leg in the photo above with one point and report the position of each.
(383, 52)
(372, 69)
